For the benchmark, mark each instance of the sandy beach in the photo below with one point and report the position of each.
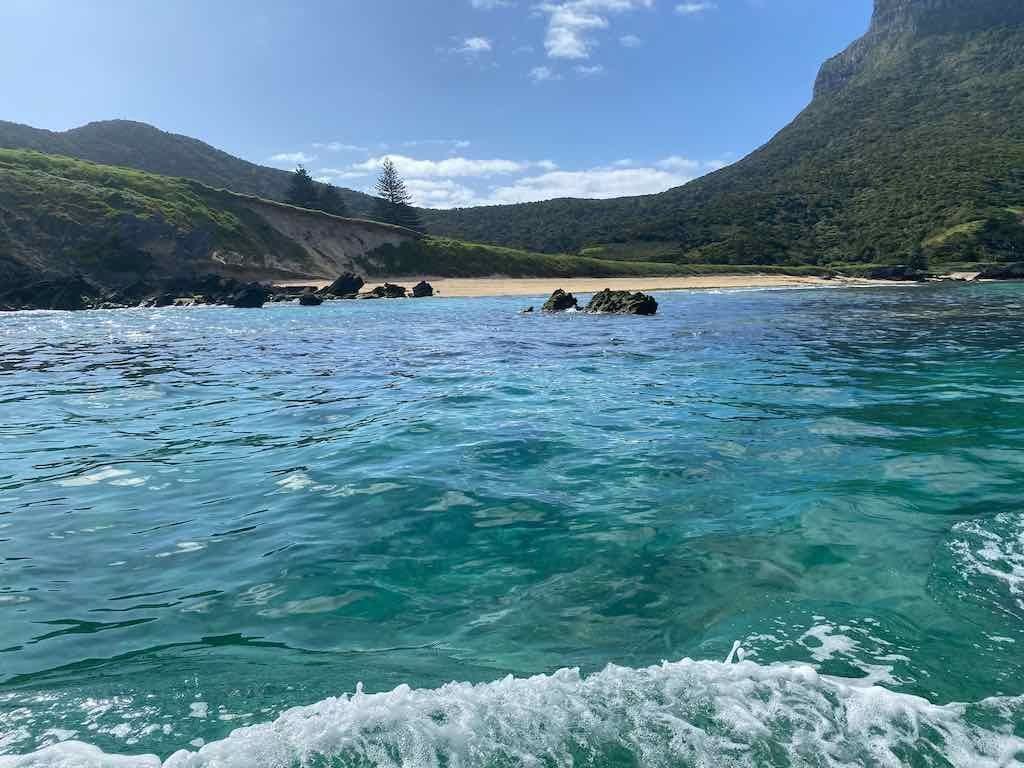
(544, 286)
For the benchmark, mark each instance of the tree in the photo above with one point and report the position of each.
(331, 202)
(302, 191)
(394, 203)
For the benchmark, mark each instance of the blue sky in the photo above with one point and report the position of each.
(478, 101)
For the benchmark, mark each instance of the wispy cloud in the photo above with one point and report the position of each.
(452, 167)
(630, 41)
(542, 74)
(691, 8)
(291, 158)
(573, 24)
(586, 71)
(474, 46)
(337, 146)
(490, 5)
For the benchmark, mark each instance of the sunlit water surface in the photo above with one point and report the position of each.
(211, 516)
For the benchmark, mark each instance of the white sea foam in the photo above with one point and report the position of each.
(675, 714)
(990, 556)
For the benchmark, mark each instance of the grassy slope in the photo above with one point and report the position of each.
(925, 145)
(143, 147)
(444, 257)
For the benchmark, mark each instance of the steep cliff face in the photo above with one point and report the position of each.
(898, 23)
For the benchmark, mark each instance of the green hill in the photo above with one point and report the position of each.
(115, 226)
(915, 136)
(145, 148)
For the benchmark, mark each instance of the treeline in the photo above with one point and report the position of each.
(393, 203)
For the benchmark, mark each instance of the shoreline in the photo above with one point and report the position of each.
(480, 287)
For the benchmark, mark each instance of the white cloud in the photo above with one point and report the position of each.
(454, 143)
(585, 71)
(679, 164)
(689, 9)
(474, 46)
(540, 74)
(630, 41)
(337, 146)
(600, 183)
(444, 193)
(452, 167)
(572, 24)
(291, 158)
(490, 5)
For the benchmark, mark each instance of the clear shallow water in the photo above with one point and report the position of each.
(210, 516)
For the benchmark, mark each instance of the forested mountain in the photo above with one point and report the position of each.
(914, 138)
(913, 142)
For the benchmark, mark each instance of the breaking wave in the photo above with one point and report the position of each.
(686, 713)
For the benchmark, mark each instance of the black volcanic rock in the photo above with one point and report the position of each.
(622, 303)
(900, 273)
(252, 296)
(310, 300)
(560, 301)
(386, 291)
(1003, 272)
(347, 284)
(63, 293)
(422, 289)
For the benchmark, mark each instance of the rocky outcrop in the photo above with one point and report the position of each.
(310, 300)
(900, 273)
(622, 303)
(252, 296)
(560, 301)
(386, 291)
(63, 293)
(896, 21)
(348, 284)
(422, 289)
(1003, 272)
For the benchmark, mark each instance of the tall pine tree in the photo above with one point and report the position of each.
(394, 203)
(302, 191)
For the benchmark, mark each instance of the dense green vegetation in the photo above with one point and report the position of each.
(439, 256)
(59, 214)
(919, 142)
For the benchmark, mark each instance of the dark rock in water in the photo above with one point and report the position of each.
(65, 293)
(163, 300)
(527, 311)
(348, 284)
(310, 300)
(560, 301)
(1003, 272)
(386, 291)
(421, 289)
(622, 303)
(252, 296)
(901, 273)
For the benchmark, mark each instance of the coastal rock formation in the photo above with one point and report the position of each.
(896, 273)
(349, 284)
(560, 301)
(622, 303)
(1003, 272)
(386, 291)
(310, 300)
(422, 289)
(66, 293)
(252, 296)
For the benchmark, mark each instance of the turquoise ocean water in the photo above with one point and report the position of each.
(275, 538)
